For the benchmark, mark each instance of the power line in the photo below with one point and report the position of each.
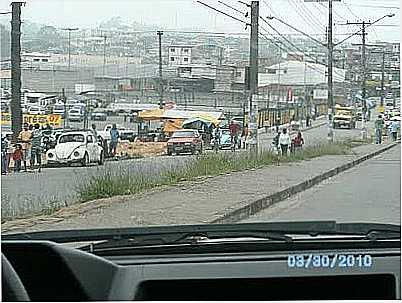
(242, 21)
(309, 17)
(294, 46)
(231, 7)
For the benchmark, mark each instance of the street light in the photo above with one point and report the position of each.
(69, 29)
(368, 25)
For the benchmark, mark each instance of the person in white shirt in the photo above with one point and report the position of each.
(284, 142)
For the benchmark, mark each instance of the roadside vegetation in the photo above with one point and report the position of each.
(108, 184)
(123, 181)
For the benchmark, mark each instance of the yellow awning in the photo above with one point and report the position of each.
(172, 125)
(153, 114)
(209, 118)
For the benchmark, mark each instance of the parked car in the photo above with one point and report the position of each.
(76, 115)
(185, 141)
(125, 134)
(99, 116)
(36, 110)
(76, 147)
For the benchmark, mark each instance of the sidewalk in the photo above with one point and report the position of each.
(263, 135)
(197, 202)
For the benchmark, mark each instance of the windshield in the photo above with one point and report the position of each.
(183, 134)
(71, 138)
(307, 142)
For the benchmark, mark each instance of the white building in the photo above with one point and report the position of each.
(36, 57)
(179, 55)
(298, 73)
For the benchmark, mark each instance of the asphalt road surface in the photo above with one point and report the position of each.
(28, 192)
(369, 192)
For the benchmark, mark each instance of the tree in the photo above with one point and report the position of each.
(48, 36)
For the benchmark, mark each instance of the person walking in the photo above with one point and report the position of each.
(5, 156)
(394, 130)
(244, 136)
(114, 139)
(217, 134)
(298, 142)
(284, 142)
(308, 120)
(94, 131)
(379, 125)
(25, 137)
(36, 148)
(233, 128)
(17, 158)
(275, 143)
(277, 124)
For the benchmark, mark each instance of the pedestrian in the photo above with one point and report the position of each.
(233, 128)
(394, 130)
(277, 124)
(217, 134)
(244, 135)
(114, 139)
(36, 148)
(17, 158)
(379, 125)
(284, 142)
(298, 142)
(25, 137)
(275, 143)
(308, 120)
(94, 131)
(5, 159)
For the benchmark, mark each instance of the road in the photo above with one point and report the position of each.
(28, 192)
(369, 192)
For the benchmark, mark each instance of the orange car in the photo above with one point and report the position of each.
(185, 141)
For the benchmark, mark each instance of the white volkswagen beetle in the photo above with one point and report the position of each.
(76, 147)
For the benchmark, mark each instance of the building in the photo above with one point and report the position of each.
(36, 57)
(179, 55)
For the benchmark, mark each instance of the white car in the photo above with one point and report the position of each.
(76, 147)
(36, 110)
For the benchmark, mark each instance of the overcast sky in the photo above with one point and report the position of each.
(308, 16)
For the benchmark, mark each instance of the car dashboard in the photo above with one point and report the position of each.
(214, 271)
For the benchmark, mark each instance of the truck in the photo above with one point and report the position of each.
(125, 134)
(344, 116)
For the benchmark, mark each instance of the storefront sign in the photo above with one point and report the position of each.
(42, 120)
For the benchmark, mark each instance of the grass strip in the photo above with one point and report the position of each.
(109, 184)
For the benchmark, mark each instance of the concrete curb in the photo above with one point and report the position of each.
(263, 203)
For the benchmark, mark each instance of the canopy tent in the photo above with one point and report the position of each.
(152, 114)
(163, 114)
(172, 125)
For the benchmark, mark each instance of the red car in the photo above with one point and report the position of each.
(185, 141)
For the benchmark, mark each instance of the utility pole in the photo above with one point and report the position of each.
(279, 76)
(330, 83)
(160, 33)
(330, 46)
(16, 112)
(65, 107)
(254, 70)
(104, 55)
(69, 29)
(382, 80)
(364, 80)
